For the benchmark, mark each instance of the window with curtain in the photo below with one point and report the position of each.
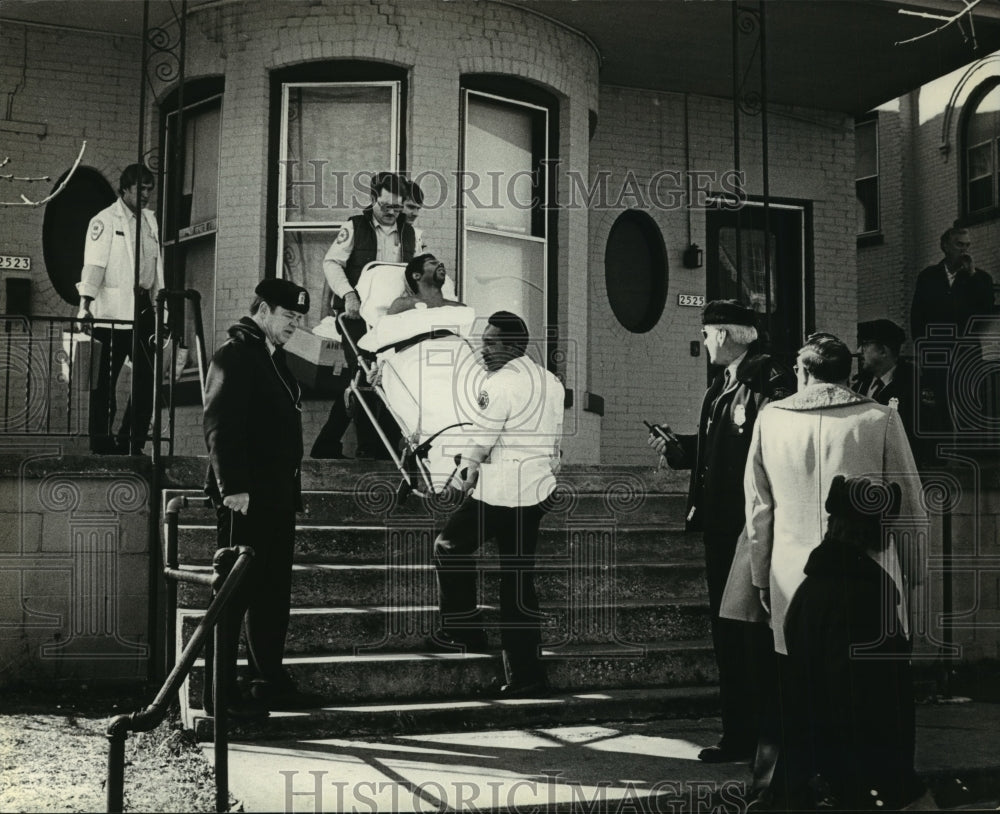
(334, 136)
(980, 140)
(504, 227)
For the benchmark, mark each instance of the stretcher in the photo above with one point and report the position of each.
(426, 372)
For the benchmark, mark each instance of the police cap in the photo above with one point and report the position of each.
(883, 331)
(728, 312)
(283, 293)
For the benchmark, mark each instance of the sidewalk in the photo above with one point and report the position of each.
(611, 767)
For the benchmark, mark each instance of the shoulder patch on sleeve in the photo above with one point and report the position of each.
(343, 235)
(96, 228)
(484, 399)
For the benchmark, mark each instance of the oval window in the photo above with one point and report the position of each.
(635, 271)
(64, 228)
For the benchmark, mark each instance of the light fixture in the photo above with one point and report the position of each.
(693, 257)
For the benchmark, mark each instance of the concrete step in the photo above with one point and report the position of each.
(405, 677)
(348, 630)
(406, 585)
(338, 720)
(366, 504)
(379, 544)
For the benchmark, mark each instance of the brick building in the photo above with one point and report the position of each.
(935, 163)
(592, 166)
(443, 84)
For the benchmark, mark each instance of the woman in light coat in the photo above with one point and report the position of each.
(800, 444)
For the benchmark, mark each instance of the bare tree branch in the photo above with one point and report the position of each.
(9, 176)
(25, 201)
(954, 18)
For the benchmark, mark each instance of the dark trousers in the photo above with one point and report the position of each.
(744, 653)
(515, 530)
(116, 347)
(329, 441)
(263, 601)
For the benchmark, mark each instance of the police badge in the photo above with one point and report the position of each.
(740, 416)
(894, 403)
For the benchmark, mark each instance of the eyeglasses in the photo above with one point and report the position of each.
(390, 207)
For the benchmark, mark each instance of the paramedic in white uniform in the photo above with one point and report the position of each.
(107, 285)
(510, 467)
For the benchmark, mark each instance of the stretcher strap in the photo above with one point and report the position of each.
(399, 347)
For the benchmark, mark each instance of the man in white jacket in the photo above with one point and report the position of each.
(107, 292)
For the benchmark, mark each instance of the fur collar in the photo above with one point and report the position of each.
(821, 396)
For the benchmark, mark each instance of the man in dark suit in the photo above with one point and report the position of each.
(946, 296)
(883, 375)
(746, 379)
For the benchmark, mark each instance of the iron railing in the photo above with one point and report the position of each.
(49, 366)
(230, 567)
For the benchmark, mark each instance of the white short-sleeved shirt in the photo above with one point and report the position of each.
(520, 419)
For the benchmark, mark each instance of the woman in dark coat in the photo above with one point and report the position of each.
(849, 714)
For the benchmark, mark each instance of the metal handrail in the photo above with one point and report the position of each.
(408, 465)
(163, 297)
(230, 569)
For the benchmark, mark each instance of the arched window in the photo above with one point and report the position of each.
(635, 271)
(333, 124)
(64, 228)
(980, 140)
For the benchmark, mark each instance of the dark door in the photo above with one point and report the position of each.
(735, 269)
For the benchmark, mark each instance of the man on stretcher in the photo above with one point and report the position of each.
(425, 277)
(420, 363)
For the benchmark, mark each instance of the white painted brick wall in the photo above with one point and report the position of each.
(652, 376)
(649, 376)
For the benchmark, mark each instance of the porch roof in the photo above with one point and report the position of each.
(831, 54)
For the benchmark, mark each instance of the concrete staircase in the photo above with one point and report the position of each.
(621, 584)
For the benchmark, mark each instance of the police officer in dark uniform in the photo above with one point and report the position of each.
(378, 233)
(746, 379)
(253, 429)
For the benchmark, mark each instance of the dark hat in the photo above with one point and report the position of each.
(884, 331)
(284, 293)
(728, 312)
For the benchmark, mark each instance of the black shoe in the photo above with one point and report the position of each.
(108, 446)
(329, 452)
(288, 697)
(725, 754)
(471, 640)
(531, 689)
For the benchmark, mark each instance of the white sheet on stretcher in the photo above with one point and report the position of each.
(432, 385)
